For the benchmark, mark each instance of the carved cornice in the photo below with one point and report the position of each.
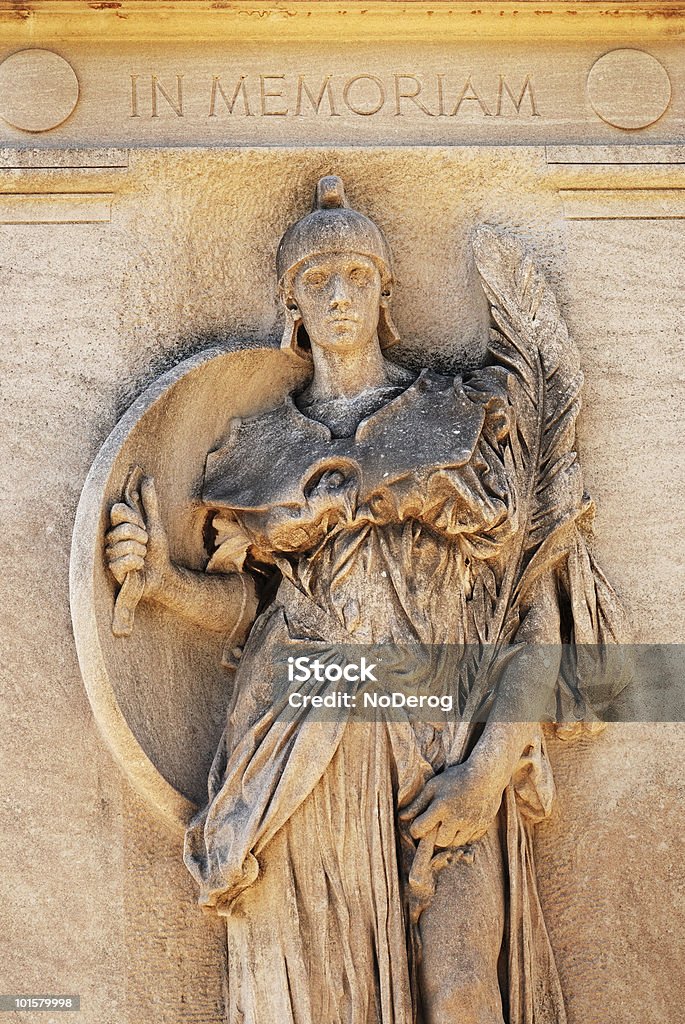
(307, 20)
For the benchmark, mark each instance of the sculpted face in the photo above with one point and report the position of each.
(338, 296)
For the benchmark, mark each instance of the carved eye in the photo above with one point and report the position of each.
(359, 275)
(315, 278)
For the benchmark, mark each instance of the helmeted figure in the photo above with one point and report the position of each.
(382, 872)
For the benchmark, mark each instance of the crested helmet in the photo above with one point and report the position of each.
(333, 227)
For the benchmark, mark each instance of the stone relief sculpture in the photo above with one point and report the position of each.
(382, 873)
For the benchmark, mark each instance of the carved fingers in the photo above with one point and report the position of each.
(123, 513)
(137, 539)
(438, 815)
(433, 812)
(126, 543)
(413, 811)
(458, 806)
(150, 501)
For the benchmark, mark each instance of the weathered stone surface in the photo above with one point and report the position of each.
(97, 900)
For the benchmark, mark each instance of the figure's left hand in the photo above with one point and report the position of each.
(462, 803)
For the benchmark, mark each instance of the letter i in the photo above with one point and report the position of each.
(441, 95)
(134, 96)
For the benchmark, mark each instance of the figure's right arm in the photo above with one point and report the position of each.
(136, 543)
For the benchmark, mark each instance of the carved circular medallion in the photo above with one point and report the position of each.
(38, 90)
(629, 88)
(159, 696)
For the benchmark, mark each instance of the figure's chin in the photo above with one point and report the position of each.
(343, 341)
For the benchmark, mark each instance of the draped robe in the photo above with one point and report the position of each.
(380, 538)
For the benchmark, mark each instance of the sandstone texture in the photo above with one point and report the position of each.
(164, 248)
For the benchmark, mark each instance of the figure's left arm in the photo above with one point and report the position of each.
(463, 801)
(527, 690)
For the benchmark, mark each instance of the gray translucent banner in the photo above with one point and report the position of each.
(318, 681)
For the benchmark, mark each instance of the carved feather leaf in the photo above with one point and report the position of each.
(533, 342)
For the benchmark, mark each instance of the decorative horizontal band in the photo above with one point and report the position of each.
(624, 154)
(623, 203)
(11, 158)
(56, 208)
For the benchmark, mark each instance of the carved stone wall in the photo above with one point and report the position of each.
(139, 222)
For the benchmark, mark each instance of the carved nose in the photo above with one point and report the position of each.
(339, 299)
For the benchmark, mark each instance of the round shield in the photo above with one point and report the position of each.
(159, 694)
